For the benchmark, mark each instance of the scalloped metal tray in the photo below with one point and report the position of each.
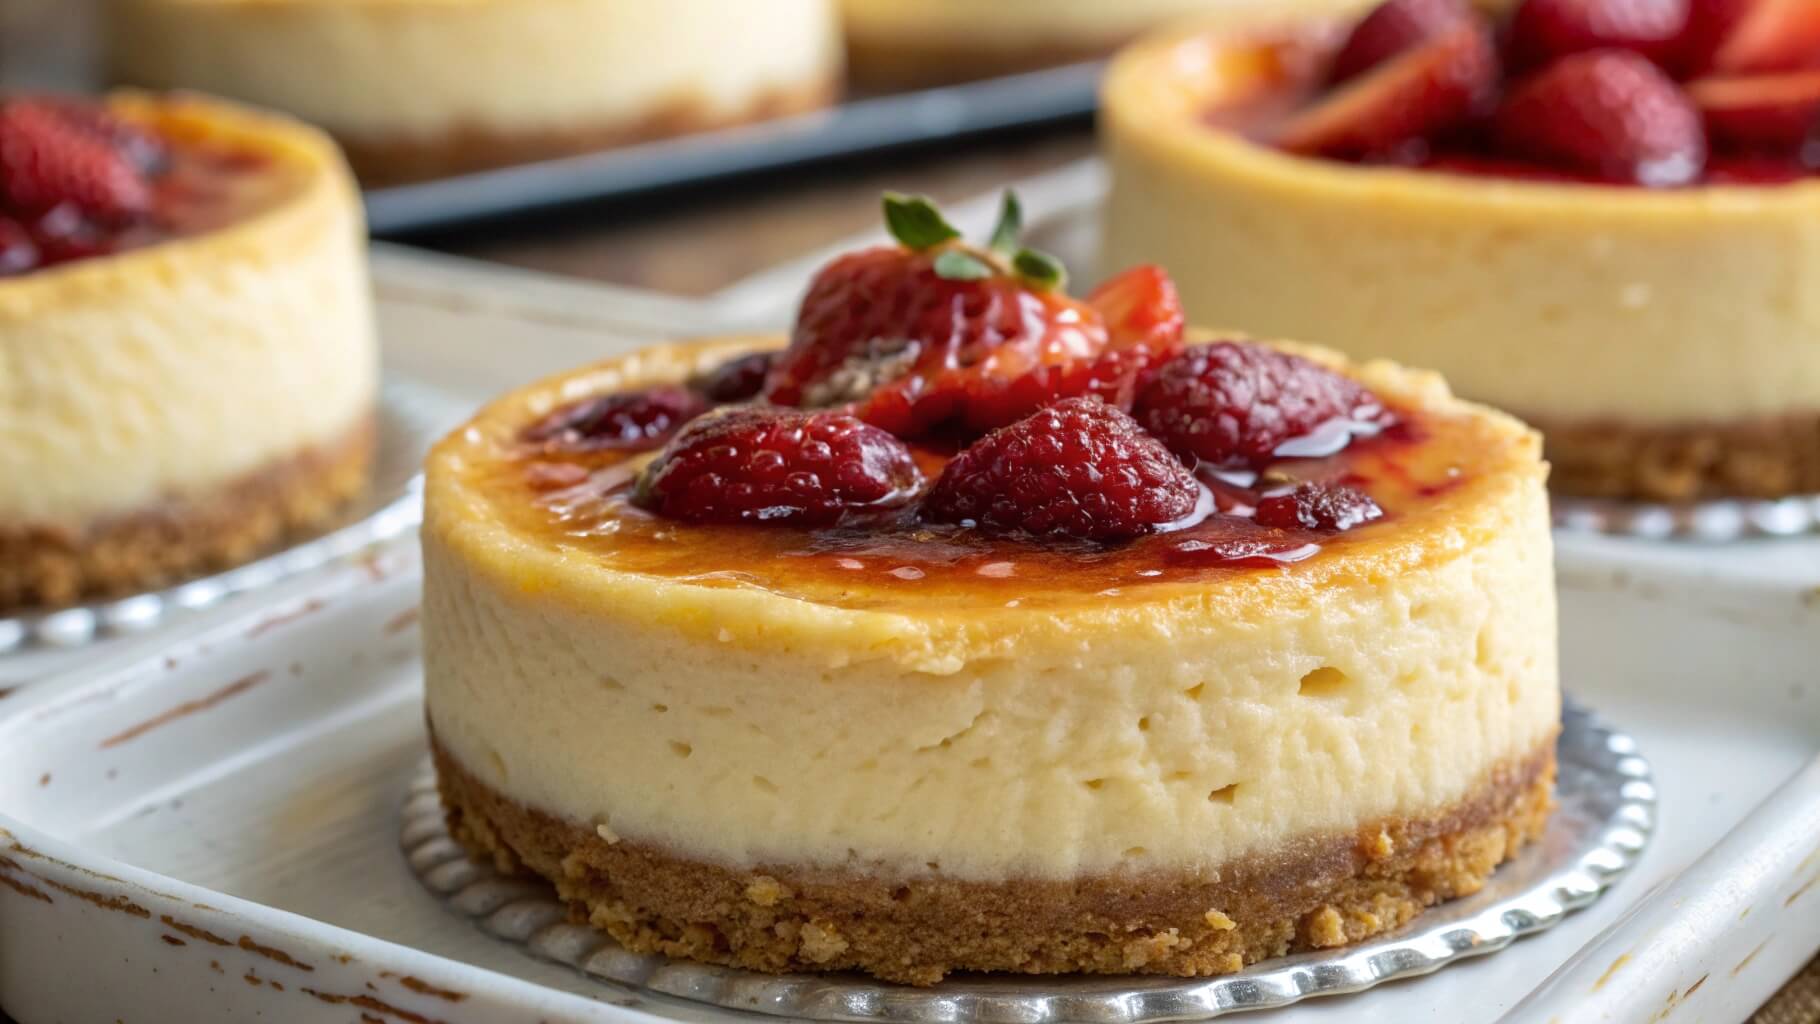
(1605, 814)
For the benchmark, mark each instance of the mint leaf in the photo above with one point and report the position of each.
(1040, 269)
(1010, 226)
(961, 265)
(914, 221)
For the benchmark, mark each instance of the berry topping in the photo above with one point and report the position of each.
(18, 252)
(1078, 469)
(1313, 506)
(759, 465)
(1543, 30)
(934, 334)
(624, 421)
(1606, 113)
(1393, 27)
(1771, 114)
(737, 379)
(1396, 109)
(1232, 404)
(1752, 36)
(50, 159)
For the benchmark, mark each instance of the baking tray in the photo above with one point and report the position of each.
(852, 128)
(214, 825)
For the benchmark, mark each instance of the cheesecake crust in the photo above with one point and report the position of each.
(1318, 892)
(50, 565)
(401, 159)
(1764, 458)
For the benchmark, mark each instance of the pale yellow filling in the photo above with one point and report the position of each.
(386, 69)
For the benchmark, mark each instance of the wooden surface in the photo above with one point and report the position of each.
(689, 245)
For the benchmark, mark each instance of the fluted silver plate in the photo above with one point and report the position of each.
(1714, 521)
(1605, 815)
(410, 418)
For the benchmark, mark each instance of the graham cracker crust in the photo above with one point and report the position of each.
(396, 160)
(1767, 458)
(54, 565)
(1317, 893)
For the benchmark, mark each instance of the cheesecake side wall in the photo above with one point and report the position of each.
(1061, 748)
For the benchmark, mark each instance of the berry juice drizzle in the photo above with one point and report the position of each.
(580, 503)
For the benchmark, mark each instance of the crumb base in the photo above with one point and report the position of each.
(1317, 893)
(1766, 458)
(50, 565)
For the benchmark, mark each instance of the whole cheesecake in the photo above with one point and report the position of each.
(415, 90)
(1646, 292)
(186, 331)
(798, 692)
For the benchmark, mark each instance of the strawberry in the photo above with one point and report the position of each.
(1775, 114)
(1709, 23)
(933, 335)
(1607, 113)
(1544, 30)
(1402, 104)
(1079, 468)
(1391, 28)
(1313, 506)
(48, 159)
(778, 466)
(1771, 35)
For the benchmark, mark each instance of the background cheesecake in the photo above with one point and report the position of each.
(186, 332)
(416, 89)
(1162, 691)
(1644, 292)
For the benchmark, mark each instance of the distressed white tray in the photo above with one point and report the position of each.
(211, 828)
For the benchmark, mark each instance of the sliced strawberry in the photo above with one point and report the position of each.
(1607, 113)
(1771, 35)
(1140, 307)
(1391, 28)
(1426, 91)
(1709, 24)
(1760, 113)
(48, 159)
(1542, 31)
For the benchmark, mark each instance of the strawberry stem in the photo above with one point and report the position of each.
(915, 222)
(961, 265)
(1010, 226)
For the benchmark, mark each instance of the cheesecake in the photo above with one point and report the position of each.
(1609, 228)
(415, 90)
(762, 661)
(185, 326)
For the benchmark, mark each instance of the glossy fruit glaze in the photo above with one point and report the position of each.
(579, 501)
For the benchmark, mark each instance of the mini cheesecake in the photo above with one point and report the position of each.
(187, 336)
(1648, 296)
(798, 693)
(415, 90)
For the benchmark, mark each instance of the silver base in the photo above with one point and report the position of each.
(410, 419)
(1713, 521)
(1604, 818)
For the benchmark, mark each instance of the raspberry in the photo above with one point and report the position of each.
(18, 253)
(1312, 506)
(1079, 468)
(1391, 28)
(47, 160)
(1543, 30)
(625, 421)
(1608, 113)
(1231, 404)
(761, 465)
(735, 380)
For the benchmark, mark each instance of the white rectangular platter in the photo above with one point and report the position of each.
(206, 826)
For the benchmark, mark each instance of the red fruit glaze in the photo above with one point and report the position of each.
(737, 379)
(1542, 31)
(1312, 506)
(1232, 404)
(625, 421)
(778, 466)
(1392, 28)
(882, 329)
(1609, 114)
(48, 159)
(1407, 102)
(1774, 114)
(1078, 469)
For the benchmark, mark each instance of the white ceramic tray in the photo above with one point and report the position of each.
(213, 826)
